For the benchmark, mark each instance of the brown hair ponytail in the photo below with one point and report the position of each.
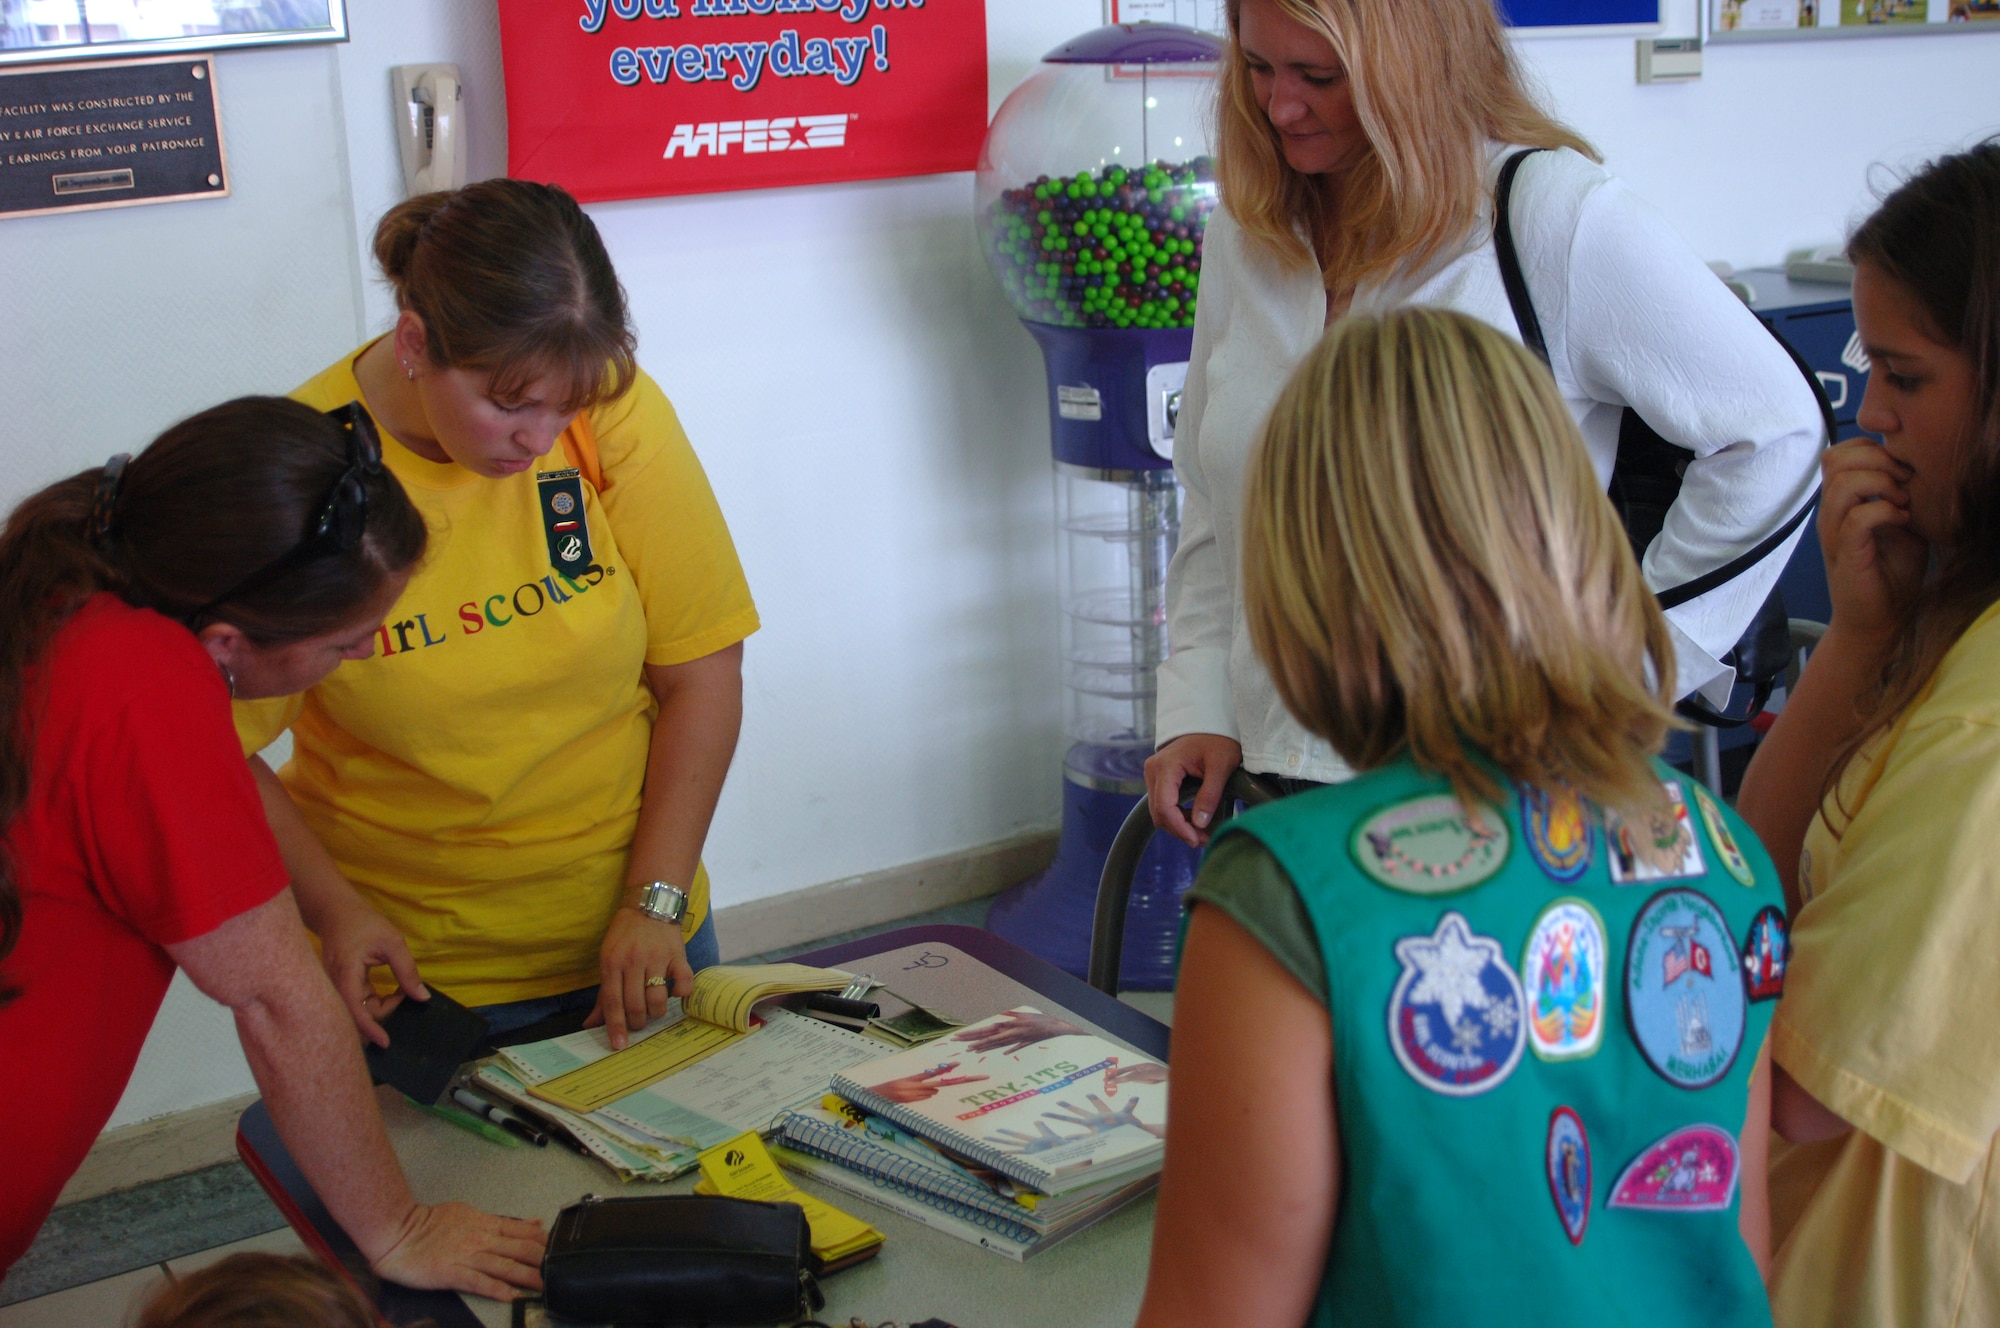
(511, 277)
(212, 500)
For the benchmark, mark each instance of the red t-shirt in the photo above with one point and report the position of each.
(142, 829)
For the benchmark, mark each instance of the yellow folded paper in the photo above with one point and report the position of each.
(743, 1169)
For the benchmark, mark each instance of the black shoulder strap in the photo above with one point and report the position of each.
(1510, 257)
(1531, 337)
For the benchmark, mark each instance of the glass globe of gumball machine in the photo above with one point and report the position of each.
(1094, 189)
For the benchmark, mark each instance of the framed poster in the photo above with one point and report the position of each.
(644, 98)
(1790, 20)
(38, 30)
(1526, 18)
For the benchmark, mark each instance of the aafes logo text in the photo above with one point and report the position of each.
(787, 133)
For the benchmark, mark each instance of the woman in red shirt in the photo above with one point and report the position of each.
(246, 552)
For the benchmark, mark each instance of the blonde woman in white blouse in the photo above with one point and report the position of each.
(1358, 145)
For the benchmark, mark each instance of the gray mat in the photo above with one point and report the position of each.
(116, 1233)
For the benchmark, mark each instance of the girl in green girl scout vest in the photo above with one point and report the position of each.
(1477, 1037)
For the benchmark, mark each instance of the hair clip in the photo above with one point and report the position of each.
(104, 505)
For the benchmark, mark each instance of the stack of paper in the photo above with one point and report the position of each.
(716, 1014)
(849, 1150)
(656, 1132)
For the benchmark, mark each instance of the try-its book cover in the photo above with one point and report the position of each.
(1031, 1095)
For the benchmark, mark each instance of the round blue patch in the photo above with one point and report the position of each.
(1684, 997)
(1455, 1018)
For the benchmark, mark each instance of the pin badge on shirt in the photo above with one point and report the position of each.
(563, 521)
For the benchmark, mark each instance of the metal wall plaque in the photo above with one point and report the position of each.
(109, 135)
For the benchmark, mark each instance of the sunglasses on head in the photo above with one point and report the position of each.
(337, 523)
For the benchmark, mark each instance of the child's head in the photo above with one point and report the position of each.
(1430, 564)
(1927, 296)
(1927, 303)
(258, 1291)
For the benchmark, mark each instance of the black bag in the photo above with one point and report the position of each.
(1646, 479)
(676, 1259)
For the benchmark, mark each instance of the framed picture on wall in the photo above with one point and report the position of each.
(38, 30)
(1787, 20)
(1524, 18)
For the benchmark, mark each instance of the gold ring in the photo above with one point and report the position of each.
(656, 982)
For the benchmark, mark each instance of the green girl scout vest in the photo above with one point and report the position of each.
(1545, 1023)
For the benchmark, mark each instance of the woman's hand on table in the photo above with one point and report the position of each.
(1209, 756)
(635, 949)
(455, 1247)
(357, 940)
(1874, 562)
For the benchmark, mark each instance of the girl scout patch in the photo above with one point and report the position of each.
(1558, 831)
(1562, 972)
(1455, 1015)
(1692, 1170)
(1568, 1165)
(1661, 849)
(1767, 953)
(1718, 835)
(1429, 845)
(1683, 996)
(563, 521)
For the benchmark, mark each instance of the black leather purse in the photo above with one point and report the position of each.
(1646, 479)
(674, 1259)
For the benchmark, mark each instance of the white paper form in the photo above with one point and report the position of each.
(789, 1062)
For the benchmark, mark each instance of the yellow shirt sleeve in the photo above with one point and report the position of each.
(670, 529)
(258, 723)
(1887, 1016)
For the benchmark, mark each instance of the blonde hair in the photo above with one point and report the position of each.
(1434, 83)
(258, 1291)
(1429, 565)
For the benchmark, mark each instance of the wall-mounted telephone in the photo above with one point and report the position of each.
(429, 129)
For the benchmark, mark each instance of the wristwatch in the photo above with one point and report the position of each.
(662, 902)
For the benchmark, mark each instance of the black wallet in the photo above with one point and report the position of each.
(428, 1041)
(680, 1259)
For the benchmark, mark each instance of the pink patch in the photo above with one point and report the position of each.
(1692, 1170)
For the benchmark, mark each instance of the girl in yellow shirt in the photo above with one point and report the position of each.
(1881, 782)
(544, 726)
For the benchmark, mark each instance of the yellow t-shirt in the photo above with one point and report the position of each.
(478, 778)
(1888, 1018)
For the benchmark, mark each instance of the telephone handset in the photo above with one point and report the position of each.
(428, 128)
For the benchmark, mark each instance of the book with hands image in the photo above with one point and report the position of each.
(1028, 1093)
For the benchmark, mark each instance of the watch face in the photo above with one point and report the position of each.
(663, 902)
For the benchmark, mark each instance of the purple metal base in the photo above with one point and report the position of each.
(1050, 914)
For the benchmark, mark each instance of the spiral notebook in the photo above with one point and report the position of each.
(1032, 1096)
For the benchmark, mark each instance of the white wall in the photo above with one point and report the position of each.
(868, 411)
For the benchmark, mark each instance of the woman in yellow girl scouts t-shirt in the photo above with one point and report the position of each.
(509, 797)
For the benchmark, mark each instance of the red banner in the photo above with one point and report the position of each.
(639, 98)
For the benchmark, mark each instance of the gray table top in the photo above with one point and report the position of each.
(1094, 1278)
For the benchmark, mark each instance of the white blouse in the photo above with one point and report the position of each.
(1631, 318)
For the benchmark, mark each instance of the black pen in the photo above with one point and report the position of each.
(501, 1116)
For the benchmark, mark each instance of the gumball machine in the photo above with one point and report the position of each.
(1095, 185)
